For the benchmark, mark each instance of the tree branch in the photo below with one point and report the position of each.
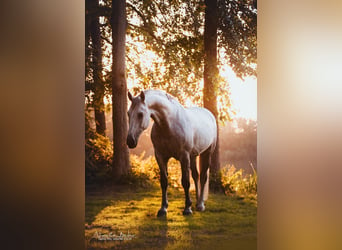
(106, 39)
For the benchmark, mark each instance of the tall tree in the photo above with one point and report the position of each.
(210, 74)
(174, 32)
(235, 21)
(119, 89)
(93, 33)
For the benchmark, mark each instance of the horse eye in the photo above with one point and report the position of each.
(140, 115)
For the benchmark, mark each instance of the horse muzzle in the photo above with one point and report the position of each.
(131, 142)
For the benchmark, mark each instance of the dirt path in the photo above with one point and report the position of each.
(127, 219)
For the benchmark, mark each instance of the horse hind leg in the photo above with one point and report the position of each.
(205, 158)
(195, 176)
(162, 163)
(185, 163)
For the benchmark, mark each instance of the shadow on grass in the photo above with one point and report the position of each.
(125, 211)
(99, 197)
(227, 223)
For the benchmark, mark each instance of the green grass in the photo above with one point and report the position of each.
(228, 222)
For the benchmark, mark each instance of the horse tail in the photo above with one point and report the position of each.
(205, 162)
(206, 188)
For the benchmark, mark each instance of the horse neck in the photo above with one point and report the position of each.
(162, 109)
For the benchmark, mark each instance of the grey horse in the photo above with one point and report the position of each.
(178, 132)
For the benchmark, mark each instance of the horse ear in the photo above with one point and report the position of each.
(130, 96)
(142, 96)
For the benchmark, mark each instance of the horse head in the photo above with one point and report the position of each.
(139, 118)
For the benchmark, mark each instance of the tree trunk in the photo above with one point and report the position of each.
(121, 163)
(98, 86)
(211, 71)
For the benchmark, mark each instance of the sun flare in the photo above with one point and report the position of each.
(243, 93)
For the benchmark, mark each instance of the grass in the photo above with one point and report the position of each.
(229, 222)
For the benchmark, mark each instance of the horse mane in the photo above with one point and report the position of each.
(163, 94)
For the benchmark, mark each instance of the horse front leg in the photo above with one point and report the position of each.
(162, 163)
(185, 163)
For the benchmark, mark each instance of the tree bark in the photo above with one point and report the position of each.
(211, 71)
(98, 85)
(121, 163)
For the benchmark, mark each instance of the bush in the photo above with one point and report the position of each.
(98, 156)
(144, 173)
(148, 166)
(236, 182)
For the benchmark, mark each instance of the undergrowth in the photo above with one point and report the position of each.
(236, 182)
(145, 172)
(98, 157)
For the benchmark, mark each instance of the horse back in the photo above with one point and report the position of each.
(194, 131)
(204, 128)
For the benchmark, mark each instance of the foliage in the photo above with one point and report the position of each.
(172, 31)
(98, 156)
(215, 182)
(236, 182)
(165, 46)
(144, 172)
(238, 34)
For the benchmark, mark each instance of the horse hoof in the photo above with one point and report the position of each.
(162, 212)
(200, 207)
(187, 211)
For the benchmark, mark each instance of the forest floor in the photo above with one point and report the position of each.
(122, 217)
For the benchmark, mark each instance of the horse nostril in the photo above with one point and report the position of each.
(131, 142)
